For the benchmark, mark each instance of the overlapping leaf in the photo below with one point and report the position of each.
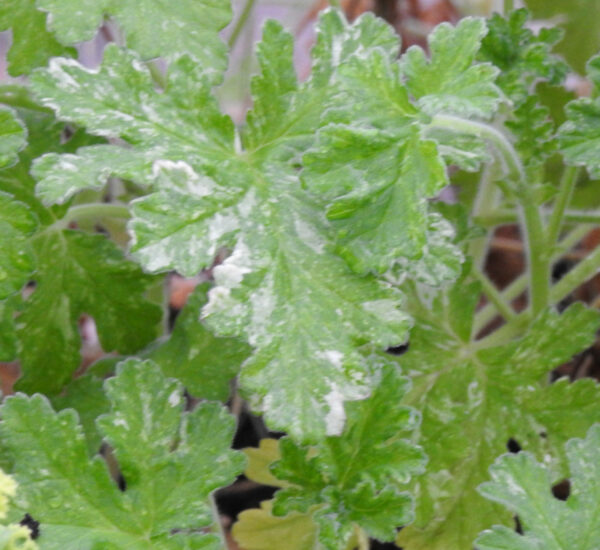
(474, 400)
(12, 136)
(171, 461)
(448, 82)
(356, 479)
(33, 44)
(12, 536)
(74, 274)
(580, 135)
(523, 485)
(152, 27)
(296, 303)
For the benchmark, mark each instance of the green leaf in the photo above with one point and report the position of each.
(13, 136)
(579, 136)
(449, 82)
(32, 43)
(78, 273)
(523, 485)
(522, 56)
(204, 363)
(474, 400)
(171, 462)
(151, 27)
(580, 21)
(8, 337)
(378, 185)
(356, 479)
(17, 223)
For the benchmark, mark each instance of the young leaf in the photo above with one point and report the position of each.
(171, 462)
(579, 136)
(33, 44)
(13, 136)
(473, 401)
(522, 56)
(357, 477)
(523, 485)
(448, 82)
(151, 27)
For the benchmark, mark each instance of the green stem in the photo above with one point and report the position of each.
(15, 96)
(565, 193)
(583, 271)
(509, 5)
(502, 217)
(519, 285)
(241, 22)
(483, 205)
(494, 295)
(335, 4)
(217, 525)
(157, 75)
(94, 211)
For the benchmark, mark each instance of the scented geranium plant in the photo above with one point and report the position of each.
(327, 251)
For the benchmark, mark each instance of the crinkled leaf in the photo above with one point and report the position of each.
(523, 485)
(152, 27)
(78, 273)
(33, 44)
(356, 478)
(449, 82)
(522, 56)
(204, 363)
(378, 185)
(171, 462)
(474, 400)
(8, 336)
(579, 136)
(13, 136)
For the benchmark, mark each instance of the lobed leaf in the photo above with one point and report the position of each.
(171, 462)
(151, 27)
(473, 401)
(13, 136)
(523, 485)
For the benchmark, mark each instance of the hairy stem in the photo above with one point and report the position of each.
(240, 23)
(565, 193)
(583, 271)
(498, 299)
(483, 205)
(96, 210)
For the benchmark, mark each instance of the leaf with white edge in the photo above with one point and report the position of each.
(13, 136)
(523, 485)
(62, 176)
(171, 462)
(579, 136)
(17, 223)
(204, 363)
(357, 478)
(152, 27)
(474, 400)
(522, 56)
(449, 82)
(32, 44)
(377, 183)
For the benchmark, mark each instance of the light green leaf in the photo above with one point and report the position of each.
(474, 400)
(449, 82)
(579, 136)
(204, 363)
(32, 43)
(356, 479)
(258, 529)
(523, 485)
(171, 462)
(13, 136)
(378, 184)
(8, 337)
(151, 27)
